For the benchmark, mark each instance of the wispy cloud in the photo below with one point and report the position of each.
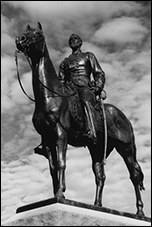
(118, 33)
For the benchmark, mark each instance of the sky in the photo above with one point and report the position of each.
(119, 34)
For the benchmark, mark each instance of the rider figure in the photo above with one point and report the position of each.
(77, 68)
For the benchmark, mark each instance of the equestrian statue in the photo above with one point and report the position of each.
(69, 109)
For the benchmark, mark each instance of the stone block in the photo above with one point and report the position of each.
(64, 212)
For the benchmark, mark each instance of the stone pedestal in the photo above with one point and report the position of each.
(63, 212)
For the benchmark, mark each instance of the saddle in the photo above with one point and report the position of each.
(76, 107)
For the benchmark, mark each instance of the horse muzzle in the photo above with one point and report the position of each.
(20, 43)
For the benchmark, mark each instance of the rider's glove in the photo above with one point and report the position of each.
(98, 90)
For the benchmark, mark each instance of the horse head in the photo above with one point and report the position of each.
(32, 42)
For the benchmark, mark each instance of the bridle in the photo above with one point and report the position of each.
(28, 59)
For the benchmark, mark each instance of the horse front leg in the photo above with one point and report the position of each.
(99, 172)
(98, 169)
(52, 158)
(61, 160)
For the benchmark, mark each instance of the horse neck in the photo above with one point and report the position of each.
(44, 76)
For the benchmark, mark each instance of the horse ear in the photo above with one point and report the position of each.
(28, 27)
(39, 25)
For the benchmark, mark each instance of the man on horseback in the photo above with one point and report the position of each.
(76, 70)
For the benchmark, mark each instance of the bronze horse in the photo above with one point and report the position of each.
(59, 119)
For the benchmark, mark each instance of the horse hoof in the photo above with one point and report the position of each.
(140, 214)
(98, 204)
(60, 194)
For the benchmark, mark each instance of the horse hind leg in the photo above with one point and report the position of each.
(136, 174)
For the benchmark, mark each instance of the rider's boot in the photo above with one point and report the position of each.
(41, 150)
(90, 132)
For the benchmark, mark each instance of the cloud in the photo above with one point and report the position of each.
(76, 8)
(21, 180)
(8, 67)
(7, 35)
(121, 30)
(62, 24)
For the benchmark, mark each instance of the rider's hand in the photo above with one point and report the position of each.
(97, 91)
(103, 95)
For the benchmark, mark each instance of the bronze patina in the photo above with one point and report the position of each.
(60, 120)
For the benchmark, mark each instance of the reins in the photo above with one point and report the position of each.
(16, 60)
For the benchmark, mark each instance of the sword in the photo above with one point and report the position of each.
(105, 126)
(101, 97)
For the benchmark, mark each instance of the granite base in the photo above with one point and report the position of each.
(63, 212)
